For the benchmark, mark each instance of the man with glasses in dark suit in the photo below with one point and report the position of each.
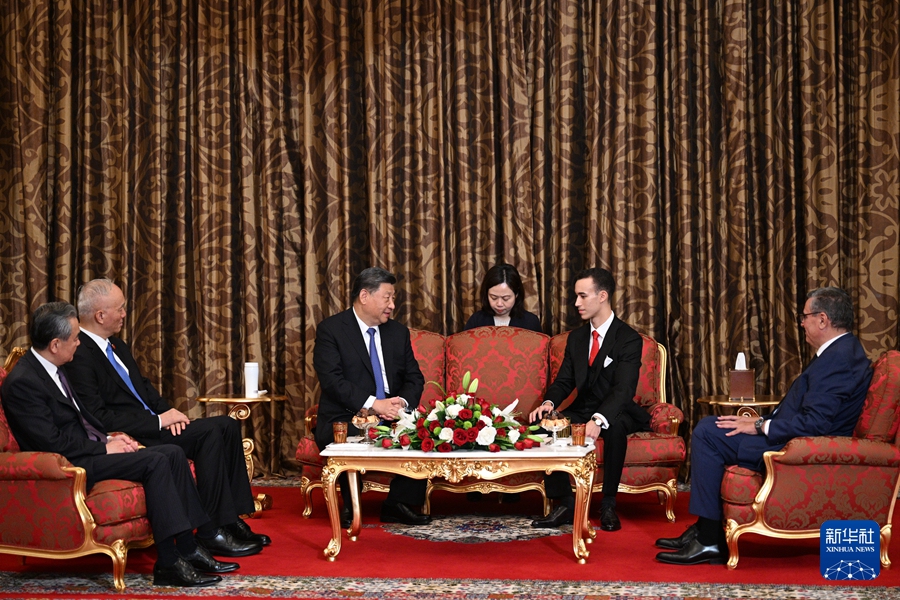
(826, 399)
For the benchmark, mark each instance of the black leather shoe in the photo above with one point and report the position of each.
(681, 541)
(346, 517)
(401, 513)
(695, 553)
(224, 544)
(561, 515)
(609, 520)
(182, 574)
(204, 562)
(242, 532)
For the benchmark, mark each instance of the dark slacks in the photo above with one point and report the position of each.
(173, 505)
(215, 446)
(615, 444)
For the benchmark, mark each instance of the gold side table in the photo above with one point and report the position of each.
(724, 405)
(239, 409)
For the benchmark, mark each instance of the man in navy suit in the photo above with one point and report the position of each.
(826, 399)
(45, 415)
(106, 377)
(364, 359)
(603, 362)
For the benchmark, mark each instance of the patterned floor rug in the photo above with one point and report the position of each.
(139, 586)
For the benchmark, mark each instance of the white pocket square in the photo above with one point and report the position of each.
(606, 362)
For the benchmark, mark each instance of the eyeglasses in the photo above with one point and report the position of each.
(802, 316)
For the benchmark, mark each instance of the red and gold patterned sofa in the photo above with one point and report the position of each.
(817, 479)
(510, 364)
(47, 513)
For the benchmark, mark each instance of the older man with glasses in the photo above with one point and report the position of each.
(826, 399)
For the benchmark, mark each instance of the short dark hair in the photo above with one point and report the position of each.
(603, 279)
(835, 303)
(51, 321)
(370, 280)
(503, 273)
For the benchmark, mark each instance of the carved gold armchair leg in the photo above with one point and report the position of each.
(732, 533)
(885, 542)
(426, 508)
(306, 488)
(119, 557)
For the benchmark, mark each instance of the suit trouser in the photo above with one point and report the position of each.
(615, 444)
(173, 505)
(215, 446)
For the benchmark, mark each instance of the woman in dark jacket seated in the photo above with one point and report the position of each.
(502, 301)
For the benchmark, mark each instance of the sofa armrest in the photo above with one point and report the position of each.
(665, 418)
(23, 466)
(837, 450)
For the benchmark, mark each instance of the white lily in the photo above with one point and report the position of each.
(433, 415)
(486, 420)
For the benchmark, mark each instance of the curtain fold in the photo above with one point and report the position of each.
(234, 164)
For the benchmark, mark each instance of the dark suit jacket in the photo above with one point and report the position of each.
(42, 419)
(99, 387)
(826, 399)
(608, 390)
(341, 360)
(526, 321)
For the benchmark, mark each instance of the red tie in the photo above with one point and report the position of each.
(595, 347)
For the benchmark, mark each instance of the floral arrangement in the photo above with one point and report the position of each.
(459, 422)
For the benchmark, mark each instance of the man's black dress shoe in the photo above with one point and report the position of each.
(681, 541)
(224, 544)
(242, 532)
(182, 574)
(401, 513)
(204, 562)
(346, 517)
(609, 520)
(695, 553)
(561, 515)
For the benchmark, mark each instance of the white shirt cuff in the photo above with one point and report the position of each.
(602, 420)
(369, 402)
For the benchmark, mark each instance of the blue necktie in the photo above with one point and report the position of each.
(124, 375)
(376, 364)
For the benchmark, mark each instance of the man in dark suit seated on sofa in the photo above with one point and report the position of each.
(826, 399)
(106, 377)
(45, 415)
(603, 362)
(364, 359)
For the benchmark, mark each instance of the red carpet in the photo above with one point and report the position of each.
(626, 555)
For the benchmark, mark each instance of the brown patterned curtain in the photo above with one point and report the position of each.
(233, 164)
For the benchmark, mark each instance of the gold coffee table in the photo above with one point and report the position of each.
(354, 458)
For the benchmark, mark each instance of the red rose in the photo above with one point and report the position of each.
(434, 425)
(471, 434)
(460, 436)
(465, 414)
(449, 423)
(387, 443)
(494, 448)
(427, 444)
(373, 433)
(444, 447)
(519, 445)
(498, 420)
(521, 429)
(501, 433)
(480, 425)
(485, 407)
(420, 423)
(404, 440)
(529, 444)
(422, 433)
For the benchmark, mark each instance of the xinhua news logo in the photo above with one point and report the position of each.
(850, 550)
